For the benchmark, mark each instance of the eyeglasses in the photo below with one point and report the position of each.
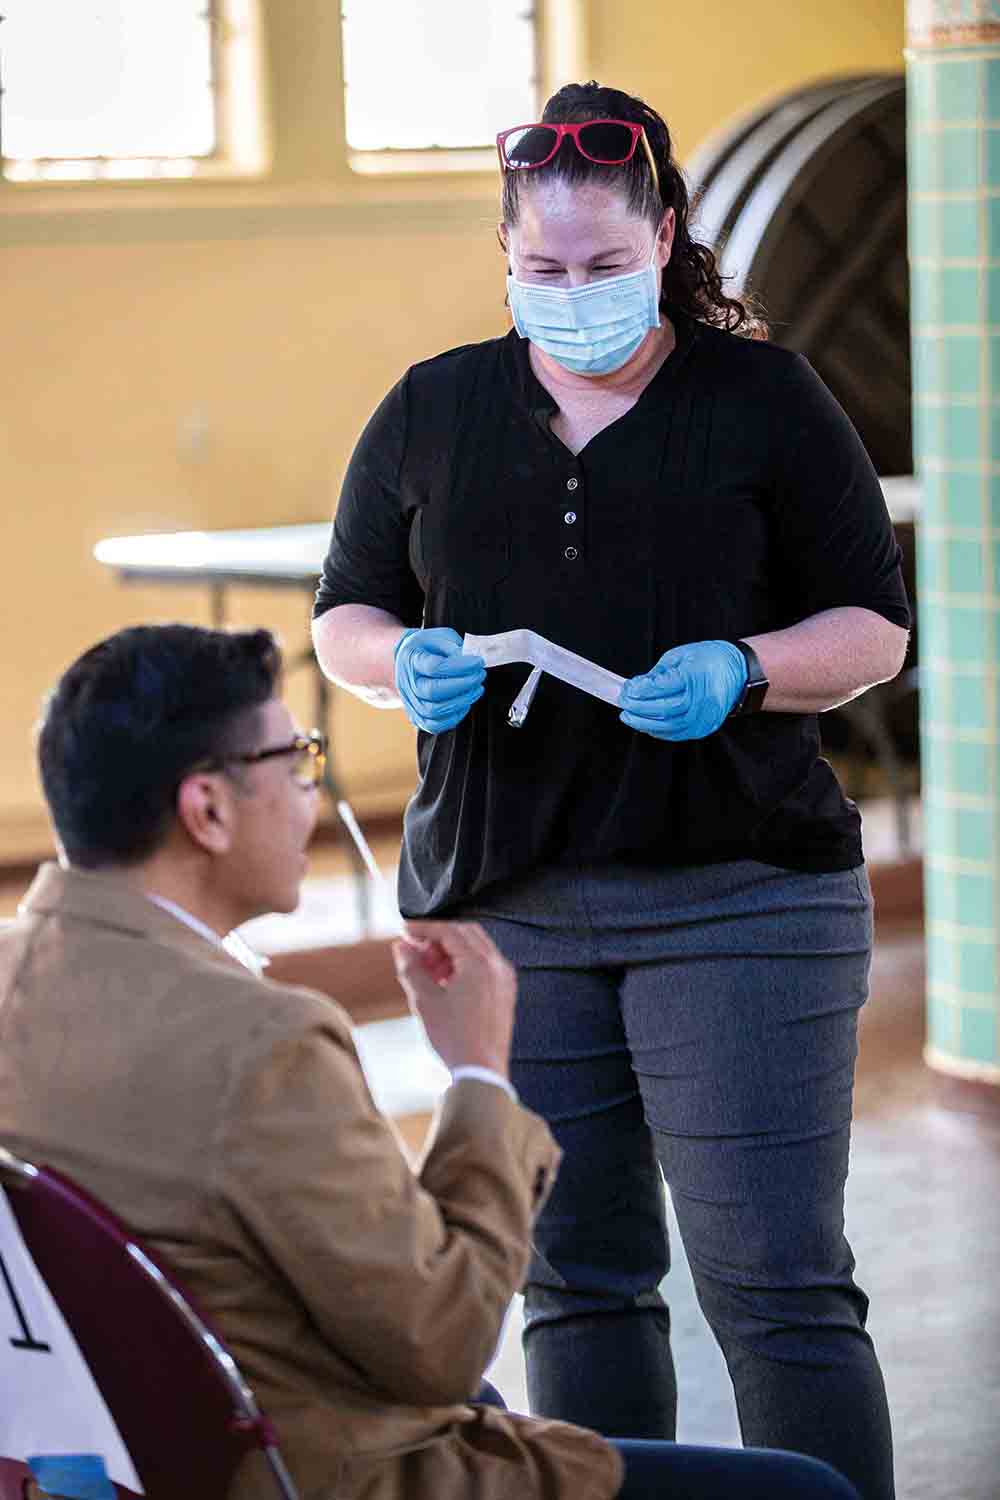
(309, 750)
(609, 143)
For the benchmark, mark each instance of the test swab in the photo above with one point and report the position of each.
(530, 647)
(518, 711)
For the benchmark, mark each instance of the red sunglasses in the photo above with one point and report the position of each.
(609, 143)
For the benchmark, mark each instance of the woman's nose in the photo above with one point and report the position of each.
(577, 275)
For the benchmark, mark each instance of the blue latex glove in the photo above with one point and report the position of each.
(76, 1476)
(688, 694)
(436, 683)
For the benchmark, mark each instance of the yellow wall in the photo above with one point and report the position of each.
(276, 314)
(700, 63)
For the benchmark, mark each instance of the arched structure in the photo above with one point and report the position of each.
(804, 200)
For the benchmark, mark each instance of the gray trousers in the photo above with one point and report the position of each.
(699, 1022)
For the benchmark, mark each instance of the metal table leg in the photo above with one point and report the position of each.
(331, 785)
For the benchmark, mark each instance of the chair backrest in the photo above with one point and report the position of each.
(13, 1479)
(184, 1411)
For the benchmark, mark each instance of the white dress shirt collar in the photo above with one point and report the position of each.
(232, 943)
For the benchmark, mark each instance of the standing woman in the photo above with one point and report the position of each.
(680, 882)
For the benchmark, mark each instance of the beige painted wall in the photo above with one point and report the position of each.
(701, 63)
(275, 315)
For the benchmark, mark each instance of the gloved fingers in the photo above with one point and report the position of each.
(437, 717)
(436, 690)
(674, 660)
(658, 728)
(654, 692)
(642, 690)
(440, 724)
(438, 664)
(659, 718)
(656, 706)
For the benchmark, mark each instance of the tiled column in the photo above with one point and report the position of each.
(953, 79)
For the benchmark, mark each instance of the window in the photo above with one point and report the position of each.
(126, 88)
(437, 78)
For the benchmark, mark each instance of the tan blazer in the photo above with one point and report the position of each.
(227, 1120)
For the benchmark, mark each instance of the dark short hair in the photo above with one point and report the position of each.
(132, 717)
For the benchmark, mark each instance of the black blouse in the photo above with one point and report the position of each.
(733, 499)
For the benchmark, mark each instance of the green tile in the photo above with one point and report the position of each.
(994, 430)
(974, 900)
(936, 767)
(968, 705)
(928, 431)
(962, 361)
(967, 632)
(922, 161)
(977, 1035)
(970, 768)
(958, 293)
(924, 233)
(940, 1024)
(942, 962)
(991, 70)
(939, 833)
(935, 697)
(933, 494)
(991, 208)
(925, 298)
(964, 562)
(992, 156)
(930, 564)
(961, 433)
(940, 895)
(919, 91)
(928, 364)
(964, 499)
(977, 968)
(960, 228)
(974, 834)
(991, 286)
(956, 89)
(955, 164)
(992, 366)
(935, 754)
(991, 490)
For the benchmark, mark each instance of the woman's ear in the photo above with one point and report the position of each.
(503, 238)
(665, 237)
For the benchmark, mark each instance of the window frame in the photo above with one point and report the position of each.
(443, 160)
(241, 135)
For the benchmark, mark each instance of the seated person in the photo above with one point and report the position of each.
(226, 1118)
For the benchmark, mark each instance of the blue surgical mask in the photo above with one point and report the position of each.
(590, 329)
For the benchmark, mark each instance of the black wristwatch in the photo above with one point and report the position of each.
(751, 699)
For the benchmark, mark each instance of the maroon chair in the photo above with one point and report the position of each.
(184, 1411)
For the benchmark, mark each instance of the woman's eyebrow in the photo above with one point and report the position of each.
(609, 254)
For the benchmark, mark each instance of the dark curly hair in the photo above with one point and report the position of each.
(691, 279)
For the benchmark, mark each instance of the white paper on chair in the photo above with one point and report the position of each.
(50, 1401)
